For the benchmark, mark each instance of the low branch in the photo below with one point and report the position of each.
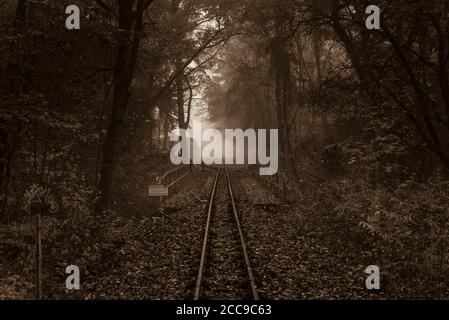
(180, 71)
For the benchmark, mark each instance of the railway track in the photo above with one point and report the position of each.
(225, 270)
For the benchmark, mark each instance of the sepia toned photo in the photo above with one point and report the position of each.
(224, 150)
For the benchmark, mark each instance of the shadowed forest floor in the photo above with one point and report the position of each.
(294, 255)
(354, 116)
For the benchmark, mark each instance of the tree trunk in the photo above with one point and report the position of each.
(283, 100)
(13, 71)
(180, 100)
(166, 130)
(125, 63)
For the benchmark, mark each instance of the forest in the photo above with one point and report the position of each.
(363, 122)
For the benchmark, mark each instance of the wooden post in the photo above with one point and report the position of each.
(284, 191)
(39, 200)
(39, 254)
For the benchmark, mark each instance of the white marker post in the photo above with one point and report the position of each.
(157, 192)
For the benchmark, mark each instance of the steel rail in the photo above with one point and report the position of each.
(249, 269)
(202, 270)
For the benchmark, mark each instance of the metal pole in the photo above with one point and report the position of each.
(39, 254)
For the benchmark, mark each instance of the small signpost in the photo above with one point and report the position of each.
(162, 184)
(40, 200)
(158, 190)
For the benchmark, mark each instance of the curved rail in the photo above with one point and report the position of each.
(172, 177)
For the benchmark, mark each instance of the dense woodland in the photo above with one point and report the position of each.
(363, 119)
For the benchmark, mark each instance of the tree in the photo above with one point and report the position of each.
(130, 26)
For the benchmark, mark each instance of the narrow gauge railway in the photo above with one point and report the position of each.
(225, 270)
